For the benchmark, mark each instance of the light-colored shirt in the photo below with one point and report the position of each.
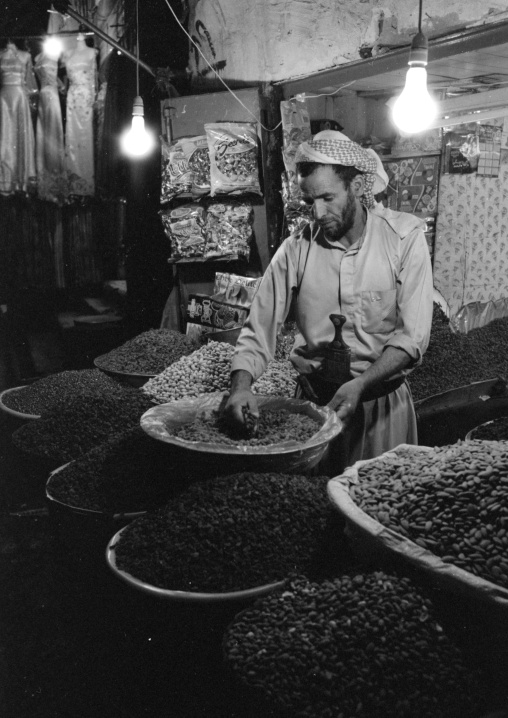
(382, 284)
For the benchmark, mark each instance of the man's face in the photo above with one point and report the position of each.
(333, 207)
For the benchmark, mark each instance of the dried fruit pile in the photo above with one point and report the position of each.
(452, 500)
(454, 360)
(233, 533)
(128, 472)
(274, 427)
(148, 353)
(85, 420)
(364, 646)
(54, 391)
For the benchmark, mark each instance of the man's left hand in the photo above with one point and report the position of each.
(346, 399)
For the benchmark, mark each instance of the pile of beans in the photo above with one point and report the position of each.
(279, 379)
(495, 430)
(204, 371)
(128, 472)
(54, 391)
(452, 500)
(85, 420)
(359, 646)
(235, 532)
(454, 360)
(149, 353)
(274, 427)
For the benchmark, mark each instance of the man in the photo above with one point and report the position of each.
(358, 259)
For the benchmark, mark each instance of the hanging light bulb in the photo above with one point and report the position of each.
(53, 47)
(414, 109)
(137, 141)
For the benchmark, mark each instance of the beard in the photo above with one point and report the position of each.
(337, 227)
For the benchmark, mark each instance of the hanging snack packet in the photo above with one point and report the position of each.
(295, 130)
(176, 177)
(197, 154)
(233, 157)
(185, 228)
(229, 229)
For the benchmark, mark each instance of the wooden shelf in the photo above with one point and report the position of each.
(202, 260)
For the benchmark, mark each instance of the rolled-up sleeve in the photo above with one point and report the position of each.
(414, 298)
(256, 344)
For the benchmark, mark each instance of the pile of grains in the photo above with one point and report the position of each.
(235, 532)
(85, 420)
(452, 500)
(273, 427)
(496, 430)
(128, 472)
(454, 360)
(148, 353)
(54, 391)
(279, 379)
(204, 371)
(363, 646)
(284, 343)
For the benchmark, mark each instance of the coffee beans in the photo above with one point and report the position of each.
(233, 533)
(274, 427)
(148, 353)
(364, 645)
(451, 500)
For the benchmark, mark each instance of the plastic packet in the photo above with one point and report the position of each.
(185, 228)
(229, 229)
(233, 157)
(176, 178)
(295, 130)
(297, 214)
(197, 154)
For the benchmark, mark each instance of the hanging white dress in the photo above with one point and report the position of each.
(17, 141)
(81, 67)
(49, 137)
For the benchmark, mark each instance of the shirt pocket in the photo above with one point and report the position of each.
(379, 311)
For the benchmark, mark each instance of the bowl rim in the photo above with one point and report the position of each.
(178, 595)
(469, 436)
(13, 412)
(152, 422)
(118, 372)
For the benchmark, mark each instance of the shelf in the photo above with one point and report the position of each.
(202, 260)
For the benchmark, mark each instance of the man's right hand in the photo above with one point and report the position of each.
(241, 396)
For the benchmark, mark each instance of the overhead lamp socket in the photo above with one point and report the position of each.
(419, 52)
(138, 107)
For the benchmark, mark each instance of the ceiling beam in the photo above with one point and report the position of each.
(485, 36)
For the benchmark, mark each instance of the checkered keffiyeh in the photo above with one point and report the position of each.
(331, 151)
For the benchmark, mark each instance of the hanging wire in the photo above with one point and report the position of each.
(420, 16)
(137, 48)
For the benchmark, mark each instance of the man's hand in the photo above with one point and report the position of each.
(346, 399)
(241, 396)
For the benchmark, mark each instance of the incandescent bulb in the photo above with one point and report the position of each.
(53, 47)
(137, 141)
(414, 109)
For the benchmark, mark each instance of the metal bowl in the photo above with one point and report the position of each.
(135, 379)
(182, 596)
(12, 412)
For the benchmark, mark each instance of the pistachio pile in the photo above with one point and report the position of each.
(148, 353)
(279, 379)
(273, 427)
(235, 532)
(452, 500)
(358, 646)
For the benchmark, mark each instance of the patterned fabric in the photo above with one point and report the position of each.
(471, 258)
(329, 147)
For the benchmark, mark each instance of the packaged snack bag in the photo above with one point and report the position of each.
(229, 229)
(176, 178)
(233, 157)
(295, 130)
(185, 228)
(197, 154)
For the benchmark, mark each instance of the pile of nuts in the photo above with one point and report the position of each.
(273, 427)
(495, 430)
(204, 371)
(279, 379)
(451, 500)
(235, 532)
(148, 353)
(128, 472)
(358, 646)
